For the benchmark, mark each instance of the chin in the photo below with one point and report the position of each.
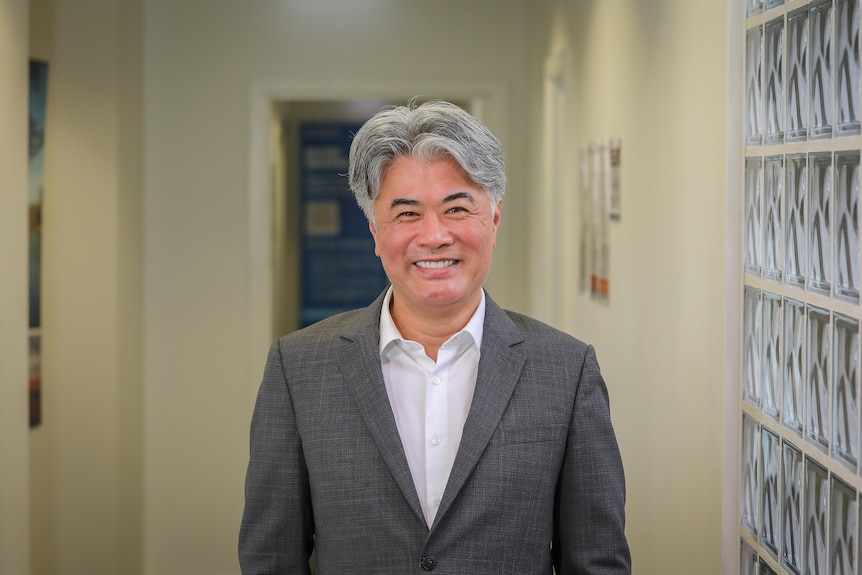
(445, 298)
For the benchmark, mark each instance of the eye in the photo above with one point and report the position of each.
(457, 211)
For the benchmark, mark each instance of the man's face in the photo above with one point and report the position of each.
(434, 234)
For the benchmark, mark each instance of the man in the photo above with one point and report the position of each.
(432, 431)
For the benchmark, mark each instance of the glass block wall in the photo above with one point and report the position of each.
(801, 478)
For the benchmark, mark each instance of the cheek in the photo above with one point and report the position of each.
(387, 246)
(394, 240)
(486, 240)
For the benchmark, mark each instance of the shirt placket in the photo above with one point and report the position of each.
(436, 440)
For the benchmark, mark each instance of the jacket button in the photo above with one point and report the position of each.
(428, 563)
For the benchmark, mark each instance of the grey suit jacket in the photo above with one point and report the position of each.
(537, 481)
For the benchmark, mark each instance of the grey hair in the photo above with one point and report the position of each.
(435, 130)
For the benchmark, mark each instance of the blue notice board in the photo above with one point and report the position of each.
(339, 268)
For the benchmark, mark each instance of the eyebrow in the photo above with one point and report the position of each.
(463, 195)
(403, 202)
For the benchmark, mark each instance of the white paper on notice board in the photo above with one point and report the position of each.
(615, 158)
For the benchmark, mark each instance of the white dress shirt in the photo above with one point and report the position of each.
(430, 400)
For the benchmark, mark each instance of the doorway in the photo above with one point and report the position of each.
(273, 205)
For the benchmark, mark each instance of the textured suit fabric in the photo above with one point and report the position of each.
(538, 479)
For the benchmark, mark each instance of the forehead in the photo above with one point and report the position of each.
(426, 178)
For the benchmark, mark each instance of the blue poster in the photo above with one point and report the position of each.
(339, 268)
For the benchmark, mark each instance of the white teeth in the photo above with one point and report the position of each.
(435, 265)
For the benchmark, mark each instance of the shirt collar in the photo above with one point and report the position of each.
(389, 334)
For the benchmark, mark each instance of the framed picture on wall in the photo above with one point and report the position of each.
(36, 170)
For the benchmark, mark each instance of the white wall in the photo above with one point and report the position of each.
(655, 73)
(202, 60)
(14, 513)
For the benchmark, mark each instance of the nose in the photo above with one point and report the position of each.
(433, 232)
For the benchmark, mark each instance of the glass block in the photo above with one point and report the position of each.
(753, 215)
(821, 69)
(750, 452)
(816, 512)
(845, 408)
(791, 507)
(774, 183)
(794, 354)
(847, 66)
(774, 63)
(769, 504)
(753, 7)
(843, 517)
(747, 559)
(794, 223)
(773, 3)
(765, 569)
(751, 359)
(797, 75)
(819, 234)
(771, 354)
(753, 89)
(817, 385)
(847, 226)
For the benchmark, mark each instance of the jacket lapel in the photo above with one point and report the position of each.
(500, 367)
(360, 367)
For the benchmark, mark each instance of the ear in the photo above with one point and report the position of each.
(373, 229)
(497, 221)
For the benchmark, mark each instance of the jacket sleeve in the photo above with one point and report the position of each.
(276, 534)
(589, 522)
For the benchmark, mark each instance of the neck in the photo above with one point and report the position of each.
(429, 325)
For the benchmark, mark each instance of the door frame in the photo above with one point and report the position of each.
(488, 102)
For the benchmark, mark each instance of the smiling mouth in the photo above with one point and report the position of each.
(435, 265)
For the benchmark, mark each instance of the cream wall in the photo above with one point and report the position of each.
(202, 61)
(655, 74)
(85, 469)
(14, 514)
(140, 463)
(42, 448)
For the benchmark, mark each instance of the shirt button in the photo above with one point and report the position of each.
(435, 440)
(436, 381)
(437, 501)
(428, 563)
